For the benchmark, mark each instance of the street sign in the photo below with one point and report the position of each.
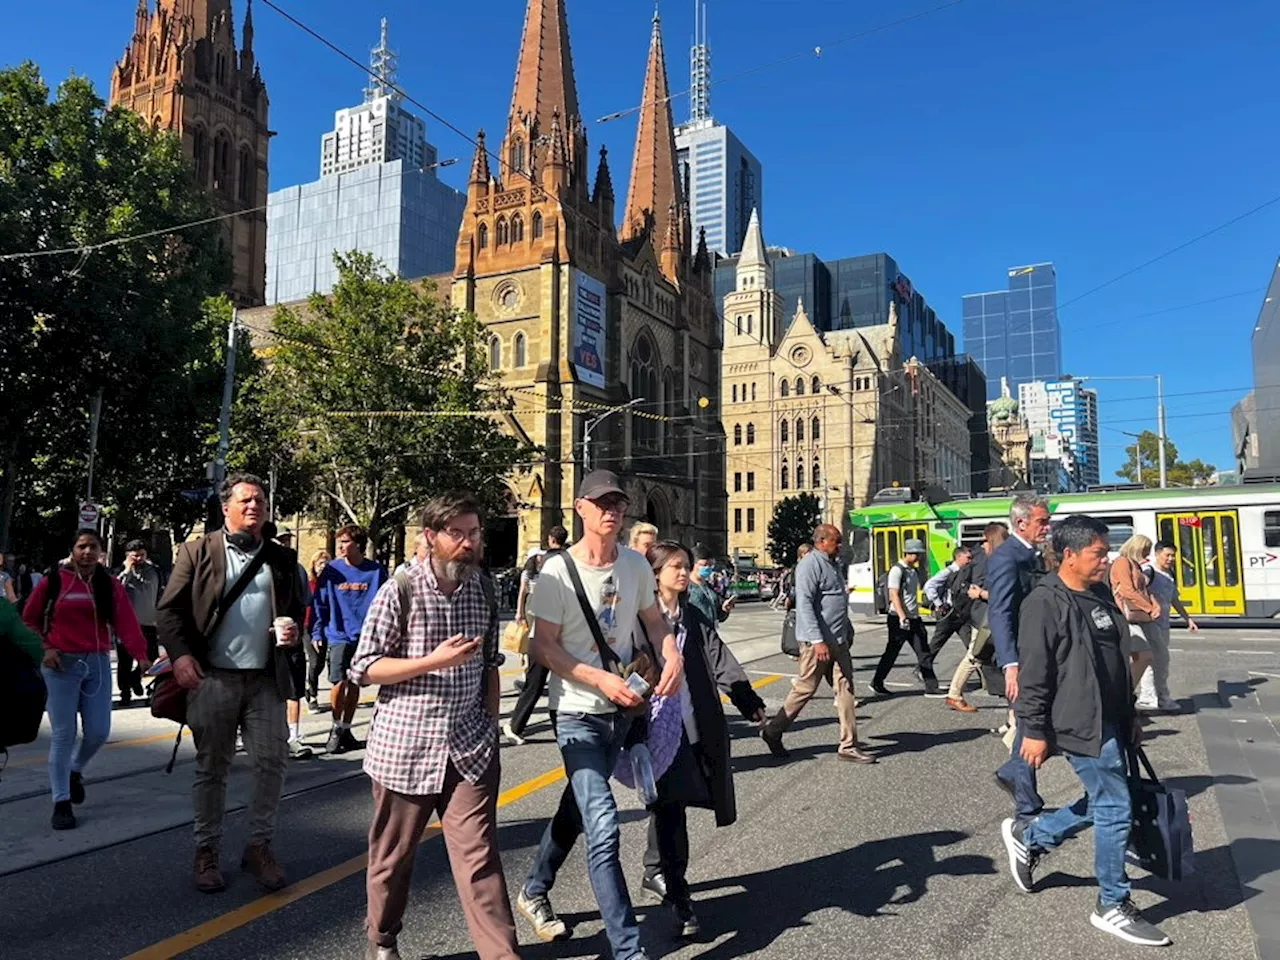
(89, 514)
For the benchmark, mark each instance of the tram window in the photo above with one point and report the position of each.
(1230, 572)
(1271, 528)
(859, 545)
(1209, 533)
(1187, 557)
(971, 534)
(892, 555)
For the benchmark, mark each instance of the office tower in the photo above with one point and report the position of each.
(1014, 333)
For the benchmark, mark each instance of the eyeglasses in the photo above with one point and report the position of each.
(612, 504)
(457, 536)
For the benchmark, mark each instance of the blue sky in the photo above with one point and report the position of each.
(1091, 133)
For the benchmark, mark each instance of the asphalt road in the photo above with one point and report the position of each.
(899, 860)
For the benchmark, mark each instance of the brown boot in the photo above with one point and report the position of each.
(209, 878)
(260, 861)
(961, 704)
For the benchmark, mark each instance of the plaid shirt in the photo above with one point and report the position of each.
(421, 724)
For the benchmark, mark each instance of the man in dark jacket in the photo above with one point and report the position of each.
(1012, 572)
(1076, 697)
(233, 662)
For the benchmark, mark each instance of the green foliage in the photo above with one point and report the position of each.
(379, 344)
(128, 320)
(794, 519)
(1179, 473)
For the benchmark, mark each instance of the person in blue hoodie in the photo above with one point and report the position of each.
(344, 593)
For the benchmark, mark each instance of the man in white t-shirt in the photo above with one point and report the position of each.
(585, 695)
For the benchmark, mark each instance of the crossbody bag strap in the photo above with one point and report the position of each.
(238, 588)
(608, 659)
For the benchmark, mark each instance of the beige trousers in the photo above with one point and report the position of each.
(812, 673)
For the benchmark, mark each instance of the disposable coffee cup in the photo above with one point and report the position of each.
(280, 625)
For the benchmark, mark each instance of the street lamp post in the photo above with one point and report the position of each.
(1159, 379)
(594, 422)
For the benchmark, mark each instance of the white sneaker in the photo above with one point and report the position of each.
(1124, 921)
(512, 737)
(1146, 705)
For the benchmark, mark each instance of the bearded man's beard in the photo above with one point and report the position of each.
(460, 566)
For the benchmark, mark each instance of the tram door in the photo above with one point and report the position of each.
(1209, 573)
(887, 550)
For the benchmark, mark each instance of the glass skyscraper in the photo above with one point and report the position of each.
(721, 180)
(1014, 333)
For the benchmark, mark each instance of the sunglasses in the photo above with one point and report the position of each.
(611, 504)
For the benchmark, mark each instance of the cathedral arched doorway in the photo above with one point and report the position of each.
(658, 512)
(501, 535)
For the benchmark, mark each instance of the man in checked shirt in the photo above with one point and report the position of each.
(433, 743)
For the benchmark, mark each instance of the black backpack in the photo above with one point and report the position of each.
(22, 698)
(104, 597)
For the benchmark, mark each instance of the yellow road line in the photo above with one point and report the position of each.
(219, 926)
(762, 682)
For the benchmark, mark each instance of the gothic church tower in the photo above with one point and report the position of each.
(181, 71)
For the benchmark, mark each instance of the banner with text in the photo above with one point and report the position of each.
(589, 307)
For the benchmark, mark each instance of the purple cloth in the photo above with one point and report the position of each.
(666, 724)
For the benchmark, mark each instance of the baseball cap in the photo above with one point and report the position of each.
(599, 483)
(913, 546)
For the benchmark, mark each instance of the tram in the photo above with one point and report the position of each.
(1228, 538)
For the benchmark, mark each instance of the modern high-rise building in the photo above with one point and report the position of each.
(378, 193)
(1255, 420)
(1062, 417)
(1014, 333)
(720, 178)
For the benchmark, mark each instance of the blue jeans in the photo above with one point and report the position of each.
(590, 745)
(1022, 778)
(1106, 804)
(81, 686)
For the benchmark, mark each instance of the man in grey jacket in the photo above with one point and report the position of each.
(142, 582)
(825, 634)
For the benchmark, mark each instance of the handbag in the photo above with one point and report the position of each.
(1160, 837)
(22, 697)
(790, 646)
(643, 664)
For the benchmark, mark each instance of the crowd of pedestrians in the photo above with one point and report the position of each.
(624, 643)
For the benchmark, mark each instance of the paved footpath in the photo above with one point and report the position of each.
(899, 860)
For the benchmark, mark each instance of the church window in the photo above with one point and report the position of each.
(517, 155)
(750, 318)
(517, 228)
(816, 386)
(495, 352)
(482, 235)
(816, 431)
(244, 189)
(220, 69)
(519, 349)
(753, 393)
(799, 476)
(222, 162)
(503, 234)
(200, 154)
(799, 386)
(784, 389)
(153, 57)
(817, 475)
(737, 434)
(537, 225)
(785, 477)
(799, 430)
(784, 430)
(644, 384)
(735, 393)
(751, 434)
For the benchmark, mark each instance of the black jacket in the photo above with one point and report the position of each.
(1059, 698)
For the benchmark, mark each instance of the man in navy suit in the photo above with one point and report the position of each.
(1012, 571)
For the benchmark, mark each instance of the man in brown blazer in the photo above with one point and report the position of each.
(233, 662)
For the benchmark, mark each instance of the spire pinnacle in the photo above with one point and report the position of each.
(700, 66)
(654, 181)
(383, 64)
(544, 73)
(246, 47)
(480, 165)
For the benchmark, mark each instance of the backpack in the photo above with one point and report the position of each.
(104, 597)
(403, 588)
(882, 588)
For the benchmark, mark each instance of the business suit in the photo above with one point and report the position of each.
(1012, 572)
(228, 700)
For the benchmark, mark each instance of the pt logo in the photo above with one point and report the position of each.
(1263, 559)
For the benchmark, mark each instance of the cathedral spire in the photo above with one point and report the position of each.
(654, 184)
(544, 73)
(603, 197)
(247, 45)
(753, 262)
(480, 165)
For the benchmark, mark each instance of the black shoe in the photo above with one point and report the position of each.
(1124, 921)
(688, 920)
(774, 743)
(879, 687)
(77, 787)
(1022, 859)
(656, 884)
(125, 700)
(348, 740)
(137, 686)
(63, 818)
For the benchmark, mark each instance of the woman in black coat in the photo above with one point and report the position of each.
(700, 775)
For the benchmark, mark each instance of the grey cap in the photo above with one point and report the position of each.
(914, 546)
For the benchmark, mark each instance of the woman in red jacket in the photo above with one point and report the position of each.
(76, 622)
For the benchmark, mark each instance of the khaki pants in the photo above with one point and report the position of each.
(469, 820)
(968, 663)
(227, 701)
(812, 673)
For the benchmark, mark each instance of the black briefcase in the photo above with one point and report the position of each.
(789, 645)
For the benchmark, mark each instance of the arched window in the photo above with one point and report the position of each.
(799, 386)
(517, 155)
(502, 234)
(737, 434)
(153, 57)
(737, 323)
(785, 477)
(750, 320)
(816, 429)
(220, 69)
(799, 476)
(644, 384)
(495, 352)
(517, 228)
(735, 393)
(482, 236)
(784, 389)
(799, 430)
(200, 154)
(537, 225)
(817, 475)
(222, 162)
(519, 351)
(783, 430)
(753, 392)
(817, 385)
(751, 434)
(244, 188)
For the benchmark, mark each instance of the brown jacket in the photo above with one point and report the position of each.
(1129, 584)
(186, 616)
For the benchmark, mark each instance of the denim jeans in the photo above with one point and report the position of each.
(1106, 804)
(1022, 778)
(81, 686)
(590, 745)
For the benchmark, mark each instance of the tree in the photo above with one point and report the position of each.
(380, 391)
(126, 322)
(1195, 473)
(794, 519)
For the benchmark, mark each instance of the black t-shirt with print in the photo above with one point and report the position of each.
(1109, 655)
